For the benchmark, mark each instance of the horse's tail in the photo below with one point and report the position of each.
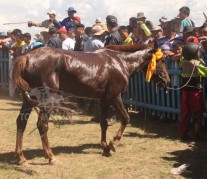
(18, 80)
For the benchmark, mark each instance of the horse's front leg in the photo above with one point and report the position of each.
(42, 125)
(21, 125)
(118, 104)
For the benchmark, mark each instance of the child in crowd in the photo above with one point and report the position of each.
(177, 51)
(192, 71)
(123, 30)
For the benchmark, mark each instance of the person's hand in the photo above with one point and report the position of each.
(51, 25)
(175, 57)
(11, 52)
(202, 38)
(167, 53)
(30, 24)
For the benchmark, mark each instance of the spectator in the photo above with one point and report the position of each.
(95, 42)
(162, 20)
(54, 41)
(126, 39)
(16, 49)
(88, 31)
(98, 21)
(39, 38)
(157, 33)
(132, 24)
(7, 42)
(203, 50)
(203, 32)
(142, 19)
(80, 37)
(114, 37)
(68, 43)
(28, 42)
(71, 33)
(3, 45)
(192, 69)
(187, 32)
(51, 22)
(71, 20)
(177, 51)
(185, 21)
(166, 43)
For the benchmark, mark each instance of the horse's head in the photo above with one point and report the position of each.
(159, 74)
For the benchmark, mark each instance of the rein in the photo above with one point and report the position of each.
(185, 83)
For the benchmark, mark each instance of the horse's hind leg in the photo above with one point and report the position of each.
(42, 125)
(21, 125)
(104, 126)
(125, 120)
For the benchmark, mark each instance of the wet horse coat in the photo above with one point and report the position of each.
(103, 74)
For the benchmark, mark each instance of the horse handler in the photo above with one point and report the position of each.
(192, 71)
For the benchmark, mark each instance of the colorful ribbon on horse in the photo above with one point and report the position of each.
(152, 65)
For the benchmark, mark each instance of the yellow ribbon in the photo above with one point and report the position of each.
(152, 65)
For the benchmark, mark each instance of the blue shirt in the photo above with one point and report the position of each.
(67, 22)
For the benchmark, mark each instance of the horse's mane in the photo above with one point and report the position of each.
(128, 47)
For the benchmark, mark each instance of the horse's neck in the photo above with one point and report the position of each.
(136, 61)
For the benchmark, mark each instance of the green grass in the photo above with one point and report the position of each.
(148, 149)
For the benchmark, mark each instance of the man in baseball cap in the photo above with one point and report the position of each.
(71, 20)
(51, 22)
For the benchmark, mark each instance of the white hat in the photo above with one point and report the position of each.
(156, 28)
(52, 12)
(98, 20)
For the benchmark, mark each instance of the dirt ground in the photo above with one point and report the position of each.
(148, 149)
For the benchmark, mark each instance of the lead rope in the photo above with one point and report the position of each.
(185, 83)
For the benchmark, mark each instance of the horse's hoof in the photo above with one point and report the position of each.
(106, 154)
(111, 146)
(23, 163)
(53, 161)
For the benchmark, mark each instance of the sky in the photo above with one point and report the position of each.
(88, 10)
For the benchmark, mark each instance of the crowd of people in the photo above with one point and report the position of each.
(178, 38)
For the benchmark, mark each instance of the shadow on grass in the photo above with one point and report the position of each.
(153, 127)
(9, 157)
(195, 155)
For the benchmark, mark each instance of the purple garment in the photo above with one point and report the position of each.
(67, 22)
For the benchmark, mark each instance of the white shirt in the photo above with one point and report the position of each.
(68, 44)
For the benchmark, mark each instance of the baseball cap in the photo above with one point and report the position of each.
(72, 9)
(77, 18)
(111, 20)
(62, 30)
(52, 12)
(192, 39)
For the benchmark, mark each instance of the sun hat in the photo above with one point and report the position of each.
(97, 30)
(140, 15)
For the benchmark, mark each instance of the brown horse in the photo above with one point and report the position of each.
(103, 74)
